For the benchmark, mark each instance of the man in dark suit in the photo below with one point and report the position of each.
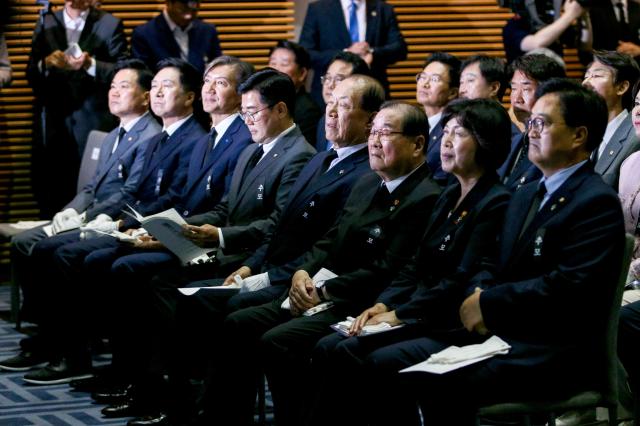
(72, 55)
(292, 59)
(613, 75)
(616, 26)
(564, 233)
(437, 85)
(176, 33)
(163, 176)
(116, 179)
(367, 28)
(341, 66)
(527, 72)
(377, 232)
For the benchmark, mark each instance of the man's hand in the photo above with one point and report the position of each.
(356, 327)
(243, 271)
(81, 62)
(60, 218)
(147, 242)
(203, 236)
(628, 48)
(302, 292)
(56, 59)
(471, 314)
(573, 9)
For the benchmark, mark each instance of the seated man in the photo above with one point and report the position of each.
(546, 296)
(115, 181)
(613, 76)
(292, 59)
(378, 231)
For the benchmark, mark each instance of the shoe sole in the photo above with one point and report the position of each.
(58, 381)
(7, 368)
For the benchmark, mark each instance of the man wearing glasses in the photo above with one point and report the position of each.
(176, 33)
(528, 72)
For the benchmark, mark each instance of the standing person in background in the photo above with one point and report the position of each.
(292, 59)
(5, 63)
(73, 52)
(367, 28)
(176, 32)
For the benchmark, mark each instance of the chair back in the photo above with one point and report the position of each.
(90, 158)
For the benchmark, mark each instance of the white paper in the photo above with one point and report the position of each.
(28, 224)
(189, 291)
(322, 275)
(343, 327)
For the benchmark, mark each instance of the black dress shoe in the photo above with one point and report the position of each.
(25, 360)
(157, 420)
(92, 384)
(112, 394)
(58, 372)
(127, 408)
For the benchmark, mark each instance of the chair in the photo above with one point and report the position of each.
(88, 166)
(593, 398)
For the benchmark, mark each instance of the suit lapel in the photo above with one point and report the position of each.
(87, 31)
(372, 22)
(335, 11)
(434, 137)
(614, 146)
(515, 145)
(167, 36)
(58, 32)
(106, 160)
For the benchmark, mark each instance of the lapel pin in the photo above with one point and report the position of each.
(130, 138)
(522, 179)
(374, 13)
(275, 155)
(611, 152)
(341, 171)
(562, 199)
(396, 202)
(553, 207)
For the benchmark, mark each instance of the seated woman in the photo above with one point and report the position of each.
(462, 229)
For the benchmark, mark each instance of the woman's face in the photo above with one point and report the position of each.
(458, 150)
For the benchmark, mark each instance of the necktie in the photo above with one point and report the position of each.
(121, 134)
(354, 31)
(211, 143)
(382, 197)
(326, 164)
(253, 161)
(161, 143)
(524, 153)
(625, 32)
(535, 206)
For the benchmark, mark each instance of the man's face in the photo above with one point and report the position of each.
(523, 89)
(80, 4)
(265, 122)
(126, 97)
(393, 155)
(346, 121)
(337, 71)
(285, 61)
(601, 79)
(182, 13)
(551, 146)
(168, 97)
(433, 88)
(473, 85)
(219, 94)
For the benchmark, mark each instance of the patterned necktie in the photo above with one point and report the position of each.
(121, 134)
(211, 143)
(535, 207)
(253, 161)
(354, 31)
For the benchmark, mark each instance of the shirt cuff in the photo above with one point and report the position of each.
(220, 238)
(92, 69)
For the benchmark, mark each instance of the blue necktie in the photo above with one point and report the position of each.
(353, 22)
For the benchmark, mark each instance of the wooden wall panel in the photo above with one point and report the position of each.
(247, 29)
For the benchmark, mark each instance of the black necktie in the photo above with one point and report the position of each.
(211, 143)
(382, 197)
(332, 155)
(535, 206)
(624, 27)
(121, 134)
(253, 161)
(524, 153)
(161, 143)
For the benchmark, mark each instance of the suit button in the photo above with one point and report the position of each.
(185, 213)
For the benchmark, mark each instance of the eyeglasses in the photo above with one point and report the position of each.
(386, 132)
(251, 115)
(432, 78)
(537, 124)
(327, 79)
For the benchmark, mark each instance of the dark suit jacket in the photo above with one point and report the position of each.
(622, 144)
(154, 41)
(255, 202)
(548, 293)
(452, 244)
(76, 95)
(324, 33)
(525, 172)
(164, 173)
(372, 240)
(207, 184)
(315, 202)
(306, 115)
(118, 174)
(606, 28)
(433, 154)
(321, 136)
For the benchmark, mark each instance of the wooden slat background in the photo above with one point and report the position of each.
(247, 29)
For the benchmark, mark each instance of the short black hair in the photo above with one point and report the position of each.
(452, 63)
(626, 69)
(490, 125)
(273, 87)
(580, 107)
(190, 78)
(358, 65)
(302, 57)
(538, 67)
(493, 70)
(144, 73)
(242, 69)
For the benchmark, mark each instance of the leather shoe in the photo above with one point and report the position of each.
(127, 408)
(157, 420)
(25, 360)
(58, 372)
(112, 394)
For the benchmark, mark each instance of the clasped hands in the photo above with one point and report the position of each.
(61, 60)
(302, 294)
(376, 314)
(362, 49)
